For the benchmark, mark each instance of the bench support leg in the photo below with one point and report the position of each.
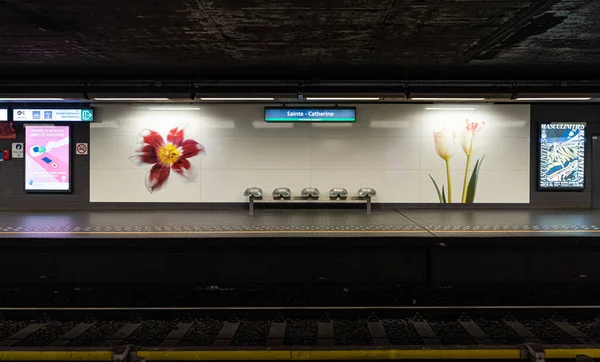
(368, 205)
(251, 205)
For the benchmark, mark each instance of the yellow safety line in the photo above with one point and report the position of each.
(515, 231)
(56, 355)
(212, 232)
(290, 232)
(300, 354)
(571, 353)
(314, 355)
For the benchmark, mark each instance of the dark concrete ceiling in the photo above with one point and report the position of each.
(309, 37)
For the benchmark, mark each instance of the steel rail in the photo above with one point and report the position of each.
(293, 308)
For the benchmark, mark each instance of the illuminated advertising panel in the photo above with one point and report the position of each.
(47, 158)
(562, 156)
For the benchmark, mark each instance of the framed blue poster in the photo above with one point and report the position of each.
(562, 156)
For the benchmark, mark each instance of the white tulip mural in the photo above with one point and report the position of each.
(445, 146)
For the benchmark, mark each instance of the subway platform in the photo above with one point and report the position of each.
(230, 247)
(200, 224)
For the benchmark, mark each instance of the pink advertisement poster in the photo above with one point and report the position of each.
(47, 158)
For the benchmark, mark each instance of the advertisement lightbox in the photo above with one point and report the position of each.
(47, 158)
(3, 115)
(285, 114)
(53, 115)
(562, 156)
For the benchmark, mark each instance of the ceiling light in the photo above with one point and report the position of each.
(130, 99)
(447, 99)
(553, 99)
(32, 99)
(238, 99)
(175, 108)
(449, 109)
(342, 98)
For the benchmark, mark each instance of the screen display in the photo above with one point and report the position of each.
(284, 114)
(53, 115)
(562, 156)
(47, 158)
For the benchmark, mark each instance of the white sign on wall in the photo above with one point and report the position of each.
(18, 150)
(3, 115)
(81, 149)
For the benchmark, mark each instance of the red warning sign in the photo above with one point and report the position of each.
(81, 148)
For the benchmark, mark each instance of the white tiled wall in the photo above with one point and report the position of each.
(390, 148)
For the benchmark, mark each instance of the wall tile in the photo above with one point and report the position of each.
(391, 185)
(229, 185)
(368, 153)
(257, 153)
(118, 185)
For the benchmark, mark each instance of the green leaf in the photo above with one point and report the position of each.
(472, 188)
(436, 189)
(443, 195)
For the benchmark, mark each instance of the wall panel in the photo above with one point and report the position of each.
(390, 148)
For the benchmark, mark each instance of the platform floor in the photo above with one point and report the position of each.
(300, 223)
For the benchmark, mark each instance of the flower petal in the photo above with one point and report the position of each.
(144, 154)
(153, 138)
(184, 168)
(157, 177)
(175, 136)
(444, 142)
(190, 148)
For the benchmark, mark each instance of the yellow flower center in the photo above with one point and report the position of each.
(168, 154)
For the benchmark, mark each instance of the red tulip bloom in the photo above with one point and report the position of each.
(166, 156)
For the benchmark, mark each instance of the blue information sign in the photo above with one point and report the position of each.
(54, 115)
(310, 114)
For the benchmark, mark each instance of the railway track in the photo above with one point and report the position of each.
(502, 333)
(51, 294)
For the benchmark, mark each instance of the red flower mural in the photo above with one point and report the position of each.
(166, 156)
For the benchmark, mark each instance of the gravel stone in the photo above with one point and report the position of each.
(98, 333)
(252, 333)
(590, 327)
(548, 332)
(401, 332)
(499, 331)
(301, 332)
(48, 333)
(202, 333)
(351, 332)
(10, 327)
(152, 332)
(450, 332)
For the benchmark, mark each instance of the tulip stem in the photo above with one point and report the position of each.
(449, 181)
(464, 193)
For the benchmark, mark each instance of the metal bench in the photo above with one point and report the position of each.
(310, 195)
